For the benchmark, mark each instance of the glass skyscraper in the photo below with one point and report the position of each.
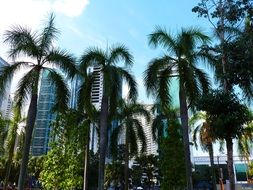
(41, 134)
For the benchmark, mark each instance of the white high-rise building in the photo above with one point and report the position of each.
(96, 99)
(151, 144)
(5, 99)
(97, 87)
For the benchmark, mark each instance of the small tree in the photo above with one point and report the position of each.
(228, 118)
(63, 163)
(172, 168)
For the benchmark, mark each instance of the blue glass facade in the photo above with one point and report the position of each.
(41, 135)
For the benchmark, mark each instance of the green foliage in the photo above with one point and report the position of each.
(179, 62)
(93, 170)
(232, 56)
(149, 167)
(136, 175)
(62, 168)
(239, 52)
(226, 114)
(3, 133)
(172, 168)
(114, 174)
(233, 11)
(130, 126)
(35, 166)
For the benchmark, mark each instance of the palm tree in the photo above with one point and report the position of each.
(112, 80)
(160, 122)
(179, 62)
(86, 110)
(43, 56)
(130, 126)
(114, 174)
(206, 138)
(10, 141)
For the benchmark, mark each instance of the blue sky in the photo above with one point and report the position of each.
(100, 22)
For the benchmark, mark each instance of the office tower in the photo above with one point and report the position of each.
(97, 87)
(45, 116)
(151, 144)
(96, 99)
(5, 99)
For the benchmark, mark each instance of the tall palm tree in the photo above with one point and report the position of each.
(180, 62)
(10, 141)
(130, 126)
(87, 111)
(112, 80)
(43, 56)
(206, 138)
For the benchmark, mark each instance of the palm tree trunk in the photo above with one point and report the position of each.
(126, 164)
(210, 151)
(102, 141)
(8, 171)
(32, 111)
(86, 160)
(13, 133)
(185, 129)
(230, 163)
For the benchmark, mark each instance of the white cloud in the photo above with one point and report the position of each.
(71, 8)
(32, 12)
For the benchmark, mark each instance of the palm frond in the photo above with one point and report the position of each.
(140, 110)
(48, 34)
(189, 82)
(112, 86)
(118, 53)
(130, 80)
(157, 127)
(114, 139)
(203, 79)
(151, 74)
(140, 134)
(84, 96)
(194, 137)
(63, 60)
(21, 41)
(197, 117)
(92, 56)
(132, 139)
(25, 87)
(7, 72)
(62, 93)
(195, 35)
(161, 37)
(164, 87)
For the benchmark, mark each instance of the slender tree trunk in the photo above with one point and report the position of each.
(102, 141)
(92, 138)
(185, 129)
(10, 154)
(126, 163)
(230, 163)
(86, 161)
(8, 171)
(221, 33)
(32, 111)
(210, 151)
